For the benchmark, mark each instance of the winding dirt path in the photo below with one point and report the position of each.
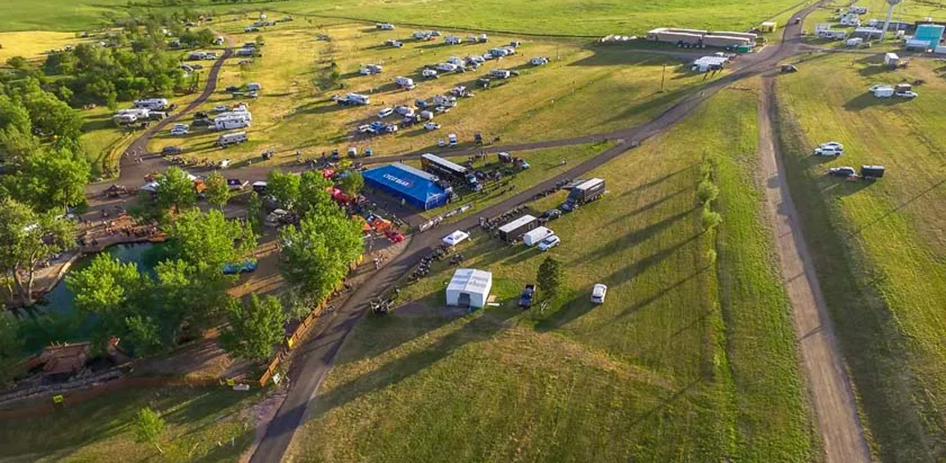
(829, 386)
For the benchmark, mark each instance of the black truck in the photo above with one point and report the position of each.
(584, 192)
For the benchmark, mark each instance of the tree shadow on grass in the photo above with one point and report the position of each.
(651, 205)
(580, 305)
(635, 237)
(483, 326)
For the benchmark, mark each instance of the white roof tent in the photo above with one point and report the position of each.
(469, 288)
(455, 238)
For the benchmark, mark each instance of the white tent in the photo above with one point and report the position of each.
(455, 238)
(469, 287)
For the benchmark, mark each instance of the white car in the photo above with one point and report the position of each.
(832, 144)
(385, 113)
(908, 95)
(225, 163)
(431, 126)
(598, 293)
(828, 151)
(221, 109)
(441, 143)
(549, 243)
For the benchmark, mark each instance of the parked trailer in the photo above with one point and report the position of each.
(724, 41)
(513, 230)
(679, 37)
(745, 35)
(585, 192)
(535, 235)
(234, 138)
(872, 172)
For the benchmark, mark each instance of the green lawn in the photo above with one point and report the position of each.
(878, 247)
(688, 360)
(58, 15)
(571, 17)
(201, 424)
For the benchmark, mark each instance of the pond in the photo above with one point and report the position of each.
(55, 318)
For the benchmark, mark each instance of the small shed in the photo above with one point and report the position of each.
(455, 238)
(64, 360)
(768, 26)
(469, 288)
(891, 59)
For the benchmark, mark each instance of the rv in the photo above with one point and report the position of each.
(447, 67)
(233, 122)
(404, 82)
(234, 138)
(585, 192)
(154, 104)
(355, 99)
(500, 73)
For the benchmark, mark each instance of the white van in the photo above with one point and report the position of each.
(453, 139)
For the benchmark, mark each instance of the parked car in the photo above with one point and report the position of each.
(385, 112)
(832, 144)
(551, 214)
(179, 131)
(203, 123)
(549, 243)
(431, 126)
(221, 108)
(844, 171)
(171, 150)
(907, 95)
(598, 293)
(828, 151)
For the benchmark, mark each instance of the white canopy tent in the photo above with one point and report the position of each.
(469, 287)
(455, 238)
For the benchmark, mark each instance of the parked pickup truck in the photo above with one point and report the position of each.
(528, 295)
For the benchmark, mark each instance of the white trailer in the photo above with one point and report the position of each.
(229, 123)
(891, 59)
(536, 235)
(234, 138)
(404, 82)
(355, 99)
(882, 91)
(154, 104)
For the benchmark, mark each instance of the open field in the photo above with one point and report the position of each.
(878, 247)
(33, 45)
(568, 17)
(199, 426)
(688, 359)
(56, 15)
(584, 90)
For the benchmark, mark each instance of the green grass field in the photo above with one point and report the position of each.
(688, 360)
(585, 90)
(200, 424)
(878, 246)
(573, 17)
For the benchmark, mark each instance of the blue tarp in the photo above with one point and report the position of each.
(413, 185)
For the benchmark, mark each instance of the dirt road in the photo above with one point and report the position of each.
(829, 386)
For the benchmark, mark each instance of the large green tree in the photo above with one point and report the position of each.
(26, 239)
(175, 191)
(217, 191)
(317, 253)
(254, 213)
(51, 179)
(254, 328)
(208, 239)
(550, 277)
(314, 196)
(352, 183)
(285, 188)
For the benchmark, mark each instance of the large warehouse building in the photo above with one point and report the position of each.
(414, 186)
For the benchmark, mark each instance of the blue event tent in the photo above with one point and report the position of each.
(415, 186)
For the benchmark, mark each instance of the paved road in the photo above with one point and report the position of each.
(316, 358)
(829, 385)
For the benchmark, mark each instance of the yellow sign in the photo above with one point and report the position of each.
(289, 342)
(58, 399)
(230, 382)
